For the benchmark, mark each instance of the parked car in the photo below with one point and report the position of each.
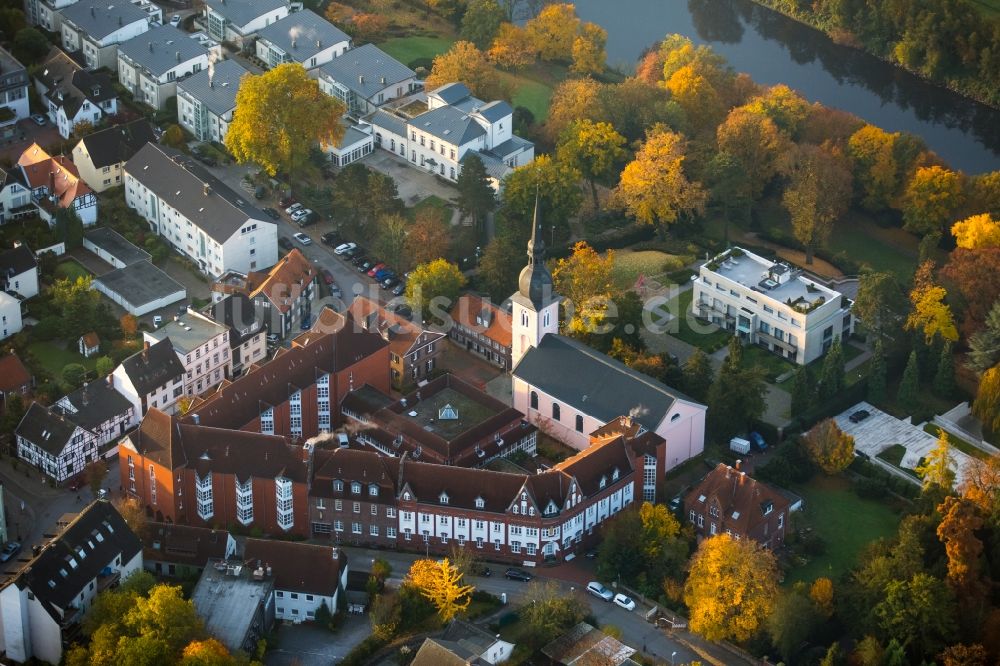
(365, 265)
(359, 259)
(357, 251)
(599, 591)
(175, 20)
(331, 238)
(518, 574)
(302, 238)
(625, 602)
(327, 276)
(389, 282)
(307, 321)
(758, 440)
(39, 119)
(271, 213)
(9, 551)
(481, 570)
(299, 215)
(384, 274)
(311, 218)
(286, 200)
(859, 416)
(344, 248)
(157, 321)
(399, 289)
(291, 209)
(371, 272)
(259, 192)
(285, 244)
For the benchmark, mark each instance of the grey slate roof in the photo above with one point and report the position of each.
(17, 260)
(47, 430)
(241, 12)
(67, 83)
(100, 20)
(219, 97)
(161, 49)
(449, 124)
(495, 110)
(388, 122)
(495, 168)
(366, 70)
(594, 383)
(141, 283)
(151, 368)
(119, 143)
(180, 180)
(116, 245)
(101, 533)
(308, 28)
(452, 93)
(353, 136)
(512, 145)
(50, 428)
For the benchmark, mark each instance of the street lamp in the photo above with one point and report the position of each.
(672, 655)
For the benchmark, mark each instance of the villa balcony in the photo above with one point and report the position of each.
(787, 344)
(708, 311)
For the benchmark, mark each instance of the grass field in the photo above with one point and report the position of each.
(708, 337)
(529, 92)
(844, 521)
(957, 442)
(432, 203)
(70, 269)
(630, 265)
(771, 364)
(408, 49)
(988, 7)
(893, 455)
(53, 357)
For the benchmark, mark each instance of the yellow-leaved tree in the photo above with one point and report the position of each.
(936, 469)
(279, 115)
(829, 447)
(731, 588)
(466, 63)
(930, 313)
(589, 54)
(817, 194)
(986, 406)
(977, 232)
(595, 149)
(585, 279)
(553, 31)
(441, 583)
(512, 48)
(653, 186)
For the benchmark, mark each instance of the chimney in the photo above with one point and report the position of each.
(294, 43)
(196, 419)
(738, 461)
(361, 78)
(382, 80)
(319, 43)
(83, 396)
(151, 47)
(177, 54)
(743, 476)
(92, 10)
(145, 351)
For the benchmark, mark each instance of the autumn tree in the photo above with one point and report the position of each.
(976, 232)
(589, 54)
(930, 314)
(548, 611)
(782, 105)
(208, 652)
(134, 515)
(512, 48)
(433, 288)
(129, 325)
(702, 105)
(986, 406)
(876, 169)
(964, 655)
(654, 187)
(960, 521)
(754, 141)
(441, 583)
(94, 474)
(981, 486)
(476, 196)
(573, 100)
(633, 105)
(817, 194)
(984, 344)
(553, 31)
(936, 468)
(593, 149)
(821, 594)
(389, 242)
(698, 374)
(369, 27)
(731, 588)
(554, 182)
(933, 196)
(429, 238)
(585, 280)
(974, 275)
(829, 447)
(279, 116)
(880, 304)
(466, 63)
(385, 614)
(481, 22)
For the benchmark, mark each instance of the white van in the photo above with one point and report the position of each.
(739, 445)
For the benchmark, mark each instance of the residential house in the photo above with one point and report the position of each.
(72, 95)
(246, 331)
(206, 100)
(303, 37)
(152, 378)
(479, 326)
(19, 271)
(55, 183)
(98, 30)
(356, 142)
(728, 501)
(13, 89)
(202, 346)
(771, 304)
(15, 378)
(298, 393)
(191, 474)
(570, 390)
(113, 248)
(15, 196)
(42, 605)
(366, 79)
(238, 21)
(89, 344)
(414, 350)
(45, 13)
(455, 125)
(100, 156)
(282, 297)
(180, 550)
(199, 215)
(584, 644)
(306, 576)
(10, 315)
(463, 644)
(150, 64)
(79, 429)
(236, 604)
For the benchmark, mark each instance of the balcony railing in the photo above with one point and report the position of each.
(787, 343)
(707, 311)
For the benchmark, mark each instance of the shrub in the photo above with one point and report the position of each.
(867, 488)
(363, 651)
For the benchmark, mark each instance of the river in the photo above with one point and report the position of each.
(772, 48)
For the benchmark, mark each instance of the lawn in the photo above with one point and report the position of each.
(957, 442)
(530, 93)
(630, 265)
(432, 203)
(708, 337)
(408, 49)
(845, 522)
(52, 357)
(771, 364)
(893, 455)
(989, 8)
(71, 269)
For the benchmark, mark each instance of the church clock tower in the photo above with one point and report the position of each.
(536, 305)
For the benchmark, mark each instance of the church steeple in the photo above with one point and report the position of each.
(535, 281)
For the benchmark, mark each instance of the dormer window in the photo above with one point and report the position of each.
(406, 496)
(604, 482)
(373, 490)
(338, 486)
(551, 509)
(767, 507)
(443, 498)
(480, 502)
(356, 488)
(515, 510)
(614, 474)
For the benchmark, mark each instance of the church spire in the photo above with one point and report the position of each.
(536, 246)
(535, 281)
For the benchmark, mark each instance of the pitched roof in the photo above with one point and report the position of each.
(449, 124)
(195, 193)
(116, 245)
(451, 93)
(184, 544)
(58, 174)
(402, 334)
(151, 368)
(575, 645)
(76, 556)
(13, 373)
(302, 34)
(495, 111)
(742, 500)
(463, 485)
(237, 312)
(241, 12)
(366, 70)
(100, 21)
(17, 260)
(117, 144)
(50, 428)
(387, 121)
(161, 49)
(439, 652)
(298, 567)
(215, 87)
(595, 383)
(283, 280)
(481, 316)
(67, 83)
(359, 465)
(475, 640)
(597, 464)
(91, 340)
(45, 429)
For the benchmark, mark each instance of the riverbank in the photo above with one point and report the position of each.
(961, 86)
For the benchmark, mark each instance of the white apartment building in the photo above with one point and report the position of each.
(19, 271)
(97, 31)
(152, 378)
(771, 304)
(46, 13)
(306, 576)
(206, 100)
(13, 87)
(303, 37)
(10, 315)
(199, 215)
(150, 64)
(366, 79)
(238, 21)
(71, 94)
(202, 347)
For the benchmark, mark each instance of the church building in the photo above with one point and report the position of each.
(569, 390)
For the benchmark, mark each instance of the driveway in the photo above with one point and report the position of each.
(312, 644)
(880, 431)
(414, 184)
